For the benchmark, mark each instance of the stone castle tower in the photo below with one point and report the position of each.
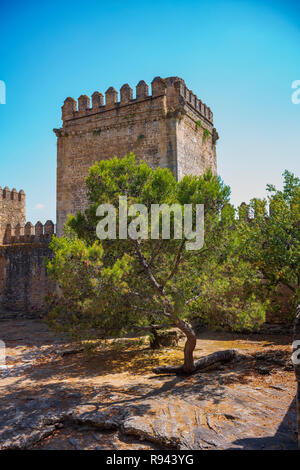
(23, 249)
(12, 209)
(170, 128)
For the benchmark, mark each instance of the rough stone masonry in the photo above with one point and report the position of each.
(170, 128)
(23, 249)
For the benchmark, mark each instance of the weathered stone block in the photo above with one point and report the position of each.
(167, 120)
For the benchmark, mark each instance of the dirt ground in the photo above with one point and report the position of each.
(53, 398)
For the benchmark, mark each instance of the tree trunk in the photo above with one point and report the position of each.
(189, 347)
(204, 363)
(189, 366)
(297, 369)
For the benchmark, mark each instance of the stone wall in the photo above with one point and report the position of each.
(165, 129)
(12, 209)
(23, 277)
(193, 158)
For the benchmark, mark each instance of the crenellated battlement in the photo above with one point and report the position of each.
(163, 123)
(12, 207)
(27, 233)
(12, 195)
(13, 226)
(172, 91)
(23, 250)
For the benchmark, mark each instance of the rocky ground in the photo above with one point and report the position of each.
(56, 398)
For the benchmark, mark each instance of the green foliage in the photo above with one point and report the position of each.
(82, 275)
(272, 241)
(96, 132)
(231, 294)
(114, 286)
(206, 134)
(199, 124)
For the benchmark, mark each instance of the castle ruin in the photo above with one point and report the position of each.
(170, 128)
(23, 249)
(12, 209)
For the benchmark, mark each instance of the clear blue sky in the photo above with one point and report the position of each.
(240, 58)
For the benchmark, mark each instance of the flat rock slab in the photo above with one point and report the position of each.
(193, 423)
(45, 403)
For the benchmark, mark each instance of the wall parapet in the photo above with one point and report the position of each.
(12, 195)
(173, 88)
(27, 233)
(12, 208)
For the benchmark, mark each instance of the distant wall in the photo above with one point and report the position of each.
(23, 277)
(12, 209)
